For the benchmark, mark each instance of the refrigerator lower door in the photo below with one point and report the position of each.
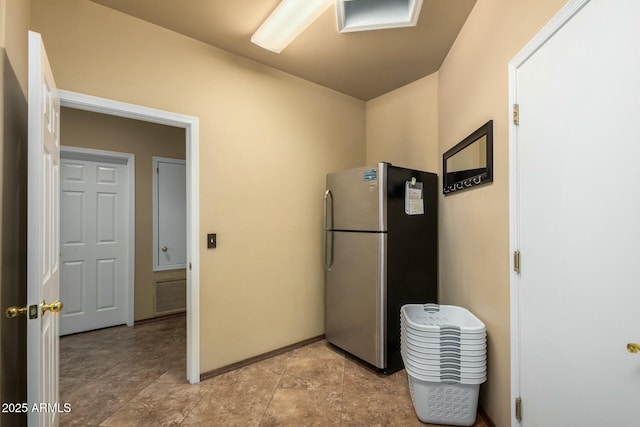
(355, 294)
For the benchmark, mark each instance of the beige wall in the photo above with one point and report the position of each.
(267, 139)
(258, 126)
(472, 87)
(402, 126)
(474, 225)
(14, 23)
(143, 139)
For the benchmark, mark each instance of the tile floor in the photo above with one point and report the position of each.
(135, 377)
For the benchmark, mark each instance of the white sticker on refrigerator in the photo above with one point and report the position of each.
(413, 200)
(370, 175)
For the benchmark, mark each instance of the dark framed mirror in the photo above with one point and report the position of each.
(469, 163)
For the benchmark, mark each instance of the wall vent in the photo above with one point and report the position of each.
(171, 296)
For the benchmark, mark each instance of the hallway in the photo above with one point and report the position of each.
(135, 377)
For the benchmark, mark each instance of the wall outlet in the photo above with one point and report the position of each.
(211, 241)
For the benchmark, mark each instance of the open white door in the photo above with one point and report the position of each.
(42, 239)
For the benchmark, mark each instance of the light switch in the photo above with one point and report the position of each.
(211, 241)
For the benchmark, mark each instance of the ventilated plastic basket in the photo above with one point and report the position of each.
(470, 344)
(418, 353)
(444, 363)
(453, 373)
(446, 378)
(450, 350)
(441, 318)
(439, 403)
(449, 332)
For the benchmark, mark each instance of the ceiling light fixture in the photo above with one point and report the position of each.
(365, 15)
(287, 21)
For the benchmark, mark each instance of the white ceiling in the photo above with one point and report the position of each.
(363, 64)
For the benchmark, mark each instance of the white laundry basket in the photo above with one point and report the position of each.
(444, 351)
(440, 318)
(442, 403)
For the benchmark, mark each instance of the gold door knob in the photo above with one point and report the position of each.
(633, 348)
(163, 248)
(12, 312)
(54, 307)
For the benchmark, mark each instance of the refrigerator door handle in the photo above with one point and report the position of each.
(327, 196)
(325, 245)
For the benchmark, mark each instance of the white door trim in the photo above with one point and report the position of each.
(547, 32)
(156, 200)
(89, 154)
(192, 130)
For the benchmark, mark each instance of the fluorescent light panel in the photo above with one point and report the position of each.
(287, 21)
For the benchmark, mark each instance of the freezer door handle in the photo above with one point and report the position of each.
(327, 261)
(326, 215)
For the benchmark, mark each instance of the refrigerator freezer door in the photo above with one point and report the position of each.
(355, 295)
(356, 199)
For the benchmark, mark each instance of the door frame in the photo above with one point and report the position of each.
(90, 154)
(545, 34)
(192, 130)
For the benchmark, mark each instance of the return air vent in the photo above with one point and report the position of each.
(171, 296)
(364, 15)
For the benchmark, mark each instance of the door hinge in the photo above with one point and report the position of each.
(516, 114)
(518, 408)
(189, 266)
(158, 171)
(516, 261)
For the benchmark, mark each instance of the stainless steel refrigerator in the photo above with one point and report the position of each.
(380, 252)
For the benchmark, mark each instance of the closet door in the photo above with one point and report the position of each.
(578, 222)
(170, 220)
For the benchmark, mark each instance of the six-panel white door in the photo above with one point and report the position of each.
(42, 239)
(93, 244)
(578, 225)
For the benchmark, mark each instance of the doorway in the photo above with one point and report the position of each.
(191, 126)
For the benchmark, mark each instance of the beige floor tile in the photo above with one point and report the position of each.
(141, 366)
(230, 408)
(67, 386)
(95, 400)
(313, 374)
(177, 374)
(317, 350)
(301, 407)
(378, 410)
(360, 379)
(158, 405)
(264, 374)
(88, 363)
(136, 377)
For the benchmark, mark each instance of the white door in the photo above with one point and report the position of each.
(170, 214)
(578, 149)
(42, 238)
(94, 252)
